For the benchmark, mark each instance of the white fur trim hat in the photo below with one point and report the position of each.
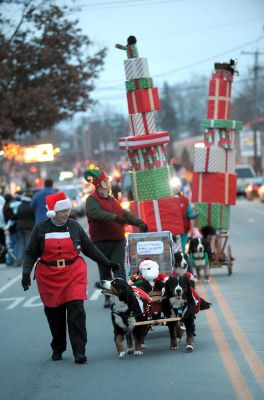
(57, 202)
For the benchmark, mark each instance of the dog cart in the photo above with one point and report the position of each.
(221, 251)
(159, 247)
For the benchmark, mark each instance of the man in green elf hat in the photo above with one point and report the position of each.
(106, 220)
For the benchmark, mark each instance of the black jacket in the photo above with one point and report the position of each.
(25, 217)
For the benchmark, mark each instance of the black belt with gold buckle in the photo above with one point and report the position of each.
(59, 263)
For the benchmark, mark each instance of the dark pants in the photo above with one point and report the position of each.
(72, 312)
(2, 246)
(115, 251)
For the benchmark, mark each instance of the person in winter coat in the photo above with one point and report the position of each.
(61, 274)
(106, 220)
(25, 221)
(39, 200)
(10, 229)
(2, 234)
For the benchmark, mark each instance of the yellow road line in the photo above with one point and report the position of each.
(241, 389)
(253, 361)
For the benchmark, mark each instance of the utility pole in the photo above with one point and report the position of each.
(256, 69)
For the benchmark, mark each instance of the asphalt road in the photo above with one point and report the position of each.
(227, 362)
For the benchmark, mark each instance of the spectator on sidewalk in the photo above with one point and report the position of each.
(2, 234)
(39, 200)
(25, 225)
(10, 229)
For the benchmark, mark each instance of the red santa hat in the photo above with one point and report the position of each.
(147, 263)
(57, 202)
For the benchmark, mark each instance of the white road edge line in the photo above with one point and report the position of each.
(10, 283)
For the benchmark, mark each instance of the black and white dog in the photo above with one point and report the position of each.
(126, 309)
(179, 300)
(183, 266)
(199, 257)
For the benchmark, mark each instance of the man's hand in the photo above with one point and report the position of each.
(115, 267)
(120, 220)
(143, 227)
(26, 281)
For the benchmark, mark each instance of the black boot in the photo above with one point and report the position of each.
(80, 359)
(56, 356)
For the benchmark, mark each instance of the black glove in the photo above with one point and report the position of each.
(120, 220)
(26, 281)
(115, 267)
(143, 227)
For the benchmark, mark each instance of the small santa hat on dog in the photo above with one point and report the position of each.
(57, 202)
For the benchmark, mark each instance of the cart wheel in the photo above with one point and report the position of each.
(229, 260)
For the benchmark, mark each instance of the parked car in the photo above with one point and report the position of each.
(261, 193)
(245, 177)
(252, 190)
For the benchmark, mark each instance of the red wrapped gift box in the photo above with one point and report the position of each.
(143, 100)
(214, 188)
(219, 99)
(143, 141)
(160, 215)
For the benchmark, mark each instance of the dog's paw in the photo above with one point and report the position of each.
(174, 347)
(189, 348)
(138, 353)
(122, 354)
(130, 350)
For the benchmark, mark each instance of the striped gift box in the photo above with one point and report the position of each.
(136, 68)
(213, 159)
(139, 142)
(142, 123)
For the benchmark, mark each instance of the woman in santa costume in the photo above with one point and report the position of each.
(61, 274)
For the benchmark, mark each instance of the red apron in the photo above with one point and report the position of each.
(60, 284)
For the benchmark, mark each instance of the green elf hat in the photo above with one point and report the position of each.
(95, 176)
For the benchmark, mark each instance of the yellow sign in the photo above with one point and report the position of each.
(39, 153)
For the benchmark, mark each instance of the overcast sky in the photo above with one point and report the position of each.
(180, 38)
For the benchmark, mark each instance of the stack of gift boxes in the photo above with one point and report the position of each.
(214, 180)
(147, 149)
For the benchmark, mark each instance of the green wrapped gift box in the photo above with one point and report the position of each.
(222, 123)
(151, 184)
(217, 215)
(142, 83)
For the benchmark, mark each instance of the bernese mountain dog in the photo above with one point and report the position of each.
(180, 300)
(199, 257)
(126, 309)
(183, 267)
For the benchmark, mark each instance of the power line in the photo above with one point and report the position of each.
(119, 87)
(115, 4)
